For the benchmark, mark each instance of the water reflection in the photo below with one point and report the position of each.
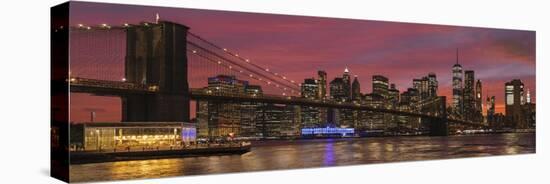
(313, 153)
(329, 154)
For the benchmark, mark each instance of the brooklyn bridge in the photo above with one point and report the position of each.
(164, 67)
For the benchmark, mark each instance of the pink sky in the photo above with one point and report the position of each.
(400, 51)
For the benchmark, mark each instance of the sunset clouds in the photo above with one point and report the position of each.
(400, 51)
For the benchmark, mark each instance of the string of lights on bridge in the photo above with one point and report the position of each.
(252, 76)
(227, 51)
(228, 66)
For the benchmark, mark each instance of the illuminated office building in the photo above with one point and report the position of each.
(513, 94)
(322, 84)
(310, 116)
(457, 86)
(380, 85)
(468, 95)
(355, 90)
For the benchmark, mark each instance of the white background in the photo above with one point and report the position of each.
(24, 88)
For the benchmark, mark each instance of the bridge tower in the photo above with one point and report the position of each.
(156, 56)
(438, 125)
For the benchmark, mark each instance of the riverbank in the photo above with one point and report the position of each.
(82, 157)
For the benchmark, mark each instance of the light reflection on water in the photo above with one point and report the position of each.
(313, 153)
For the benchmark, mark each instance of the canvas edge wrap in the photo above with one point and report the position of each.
(59, 99)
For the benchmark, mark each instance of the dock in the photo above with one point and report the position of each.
(86, 157)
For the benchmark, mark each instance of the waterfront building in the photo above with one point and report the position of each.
(372, 120)
(276, 120)
(219, 119)
(513, 94)
(529, 109)
(248, 112)
(112, 136)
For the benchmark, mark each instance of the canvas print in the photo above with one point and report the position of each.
(147, 92)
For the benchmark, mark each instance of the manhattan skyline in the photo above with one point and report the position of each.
(399, 51)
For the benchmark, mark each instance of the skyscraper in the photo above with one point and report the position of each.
(528, 97)
(355, 90)
(322, 83)
(468, 95)
(422, 85)
(457, 86)
(310, 88)
(513, 94)
(479, 101)
(432, 85)
(490, 106)
(221, 119)
(347, 83)
(393, 95)
(277, 120)
(338, 89)
(380, 85)
(248, 112)
(310, 115)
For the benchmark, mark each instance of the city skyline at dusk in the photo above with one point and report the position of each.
(399, 51)
(190, 92)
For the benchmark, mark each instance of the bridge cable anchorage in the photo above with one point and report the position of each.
(264, 69)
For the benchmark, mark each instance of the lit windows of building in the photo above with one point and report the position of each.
(513, 91)
(432, 85)
(355, 90)
(322, 84)
(380, 85)
(127, 136)
(457, 86)
(337, 89)
(478, 98)
(469, 101)
(393, 94)
(310, 88)
(310, 116)
(248, 123)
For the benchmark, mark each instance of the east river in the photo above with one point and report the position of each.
(291, 154)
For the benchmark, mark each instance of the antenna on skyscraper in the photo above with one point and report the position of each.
(157, 18)
(456, 55)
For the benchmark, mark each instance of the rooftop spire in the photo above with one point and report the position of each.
(346, 70)
(157, 18)
(457, 56)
